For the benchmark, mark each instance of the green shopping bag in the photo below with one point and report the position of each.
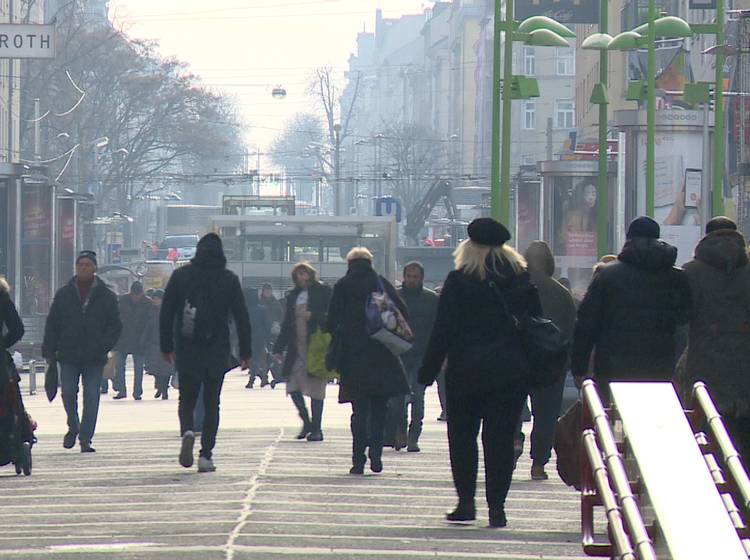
(316, 356)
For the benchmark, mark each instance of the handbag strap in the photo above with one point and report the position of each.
(496, 290)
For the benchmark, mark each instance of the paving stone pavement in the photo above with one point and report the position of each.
(271, 497)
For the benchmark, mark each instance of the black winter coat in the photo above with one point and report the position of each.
(210, 356)
(78, 336)
(368, 369)
(478, 336)
(134, 316)
(422, 306)
(155, 364)
(319, 297)
(12, 327)
(719, 342)
(630, 314)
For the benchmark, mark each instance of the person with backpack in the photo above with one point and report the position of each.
(487, 377)
(200, 300)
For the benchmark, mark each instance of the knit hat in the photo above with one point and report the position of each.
(90, 255)
(487, 231)
(643, 226)
(720, 222)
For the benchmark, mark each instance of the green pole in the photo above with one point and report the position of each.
(717, 208)
(505, 144)
(496, 73)
(651, 109)
(602, 205)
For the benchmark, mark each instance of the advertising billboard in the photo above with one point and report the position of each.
(36, 237)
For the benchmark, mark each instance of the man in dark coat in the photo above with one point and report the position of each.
(719, 339)
(422, 305)
(259, 323)
(370, 373)
(82, 326)
(135, 309)
(630, 313)
(558, 306)
(199, 301)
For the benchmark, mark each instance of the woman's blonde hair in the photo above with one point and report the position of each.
(307, 267)
(359, 253)
(472, 258)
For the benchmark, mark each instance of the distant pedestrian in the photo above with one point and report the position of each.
(370, 373)
(559, 307)
(154, 362)
(631, 311)
(200, 299)
(422, 305)
(719, 340)
(259, 322)
(82, 326)
(135, 309)
(487, 373)
(306, 312)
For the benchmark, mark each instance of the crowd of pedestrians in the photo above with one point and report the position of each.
(640, 317)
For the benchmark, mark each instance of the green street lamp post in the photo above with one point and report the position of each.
(538, 31)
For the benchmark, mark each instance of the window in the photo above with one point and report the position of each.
(566, 62)
(529, 115)
(529, 61)
(565, 113)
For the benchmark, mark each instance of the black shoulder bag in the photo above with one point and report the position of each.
(544, 346)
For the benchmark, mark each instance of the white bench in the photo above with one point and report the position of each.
(689, 510)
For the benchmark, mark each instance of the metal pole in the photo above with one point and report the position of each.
(718, 163)
(505, 144)
(18, 277)
(37, 134)
(602, 198)
(705, 210)
(651, 109)
(496, 72)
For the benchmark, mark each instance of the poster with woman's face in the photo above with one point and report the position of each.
(575, 216)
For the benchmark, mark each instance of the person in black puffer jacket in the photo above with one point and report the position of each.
(631, 311)
(487, 373)
(198, 340)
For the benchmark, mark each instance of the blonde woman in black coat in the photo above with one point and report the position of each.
(486, 377)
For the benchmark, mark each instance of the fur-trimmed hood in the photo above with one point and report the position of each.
(4, 287)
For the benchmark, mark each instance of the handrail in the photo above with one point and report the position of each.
(595, 416)
(704, 411)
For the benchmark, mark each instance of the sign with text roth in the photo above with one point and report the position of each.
(27, 41)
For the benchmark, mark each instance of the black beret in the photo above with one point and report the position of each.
(488, 231)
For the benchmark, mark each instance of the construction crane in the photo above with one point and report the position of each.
(420, 213)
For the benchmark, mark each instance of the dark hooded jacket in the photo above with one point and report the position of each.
(476, 333)
(558, 304)
(719, 340)
(134, 316)
(368, 369)
(422, 305)
(81, 333)
(218, 291)
(630, 315)
(319, 297)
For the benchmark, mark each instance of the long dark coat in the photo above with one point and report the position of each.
(211, 355)
(155, 364)
(82, 336)
(12, 327)
(719, 342)
(367, 367)
(630, 315)
(478, 336)
(134, 316)
(319, 297)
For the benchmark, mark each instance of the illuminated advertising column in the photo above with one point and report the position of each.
(66, 239)
(36, 248)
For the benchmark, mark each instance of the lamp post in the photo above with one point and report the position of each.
(538, 31)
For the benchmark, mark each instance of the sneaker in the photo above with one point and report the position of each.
(86, 447)
(537, 472)
(119, 396)
(205, 465)
(186, 451)
(69, 440)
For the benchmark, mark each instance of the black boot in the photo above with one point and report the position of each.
(317, 417)
(465, 511)
(299, 402)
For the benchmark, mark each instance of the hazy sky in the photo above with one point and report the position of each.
(246, 47)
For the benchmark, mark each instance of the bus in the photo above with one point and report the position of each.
(262, 249)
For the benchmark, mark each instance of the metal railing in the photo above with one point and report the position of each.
(718, 450)
(605, 484)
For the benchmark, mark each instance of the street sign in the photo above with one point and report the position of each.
(27, 41)
(564, 11)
